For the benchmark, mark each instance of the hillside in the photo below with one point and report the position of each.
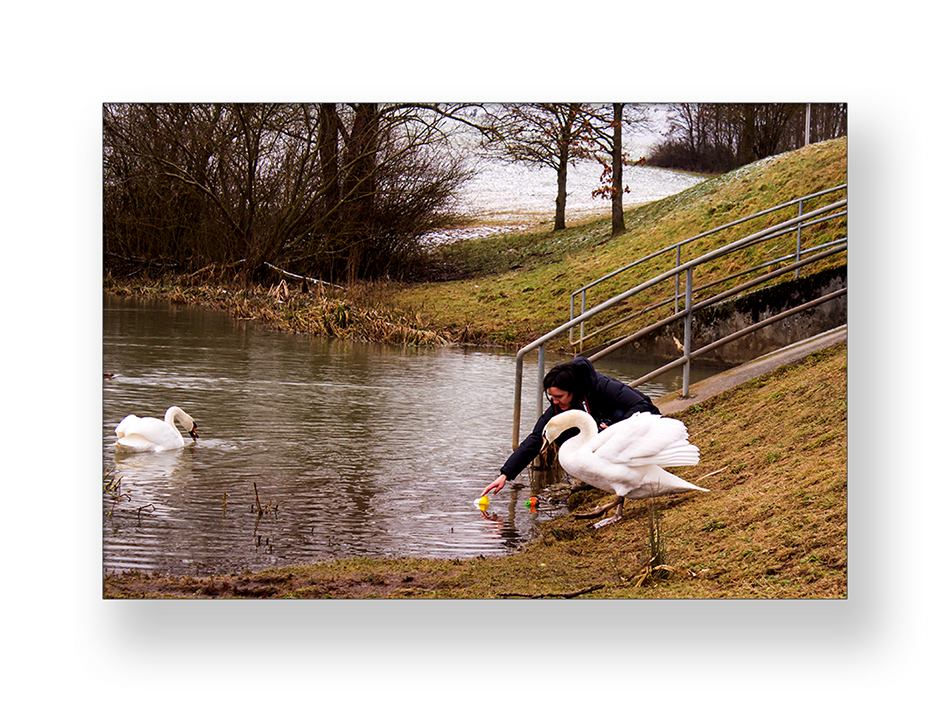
(510, 289)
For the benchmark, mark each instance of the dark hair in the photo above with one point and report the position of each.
(572, 377)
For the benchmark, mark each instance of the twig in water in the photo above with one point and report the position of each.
(138, 512)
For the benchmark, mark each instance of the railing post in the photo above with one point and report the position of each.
(583, 310)
(676, 297)
(798, 240)
(570, 332)
(516, 428)
(687, 330)
(541, 380)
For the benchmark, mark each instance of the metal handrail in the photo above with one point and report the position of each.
(678, 248)
(797, 255)
(709, 302)
(787, 226)
(683, 360)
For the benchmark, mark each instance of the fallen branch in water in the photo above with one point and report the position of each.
(565, 595)
(261, 510)
(257, 499)
(302, 277)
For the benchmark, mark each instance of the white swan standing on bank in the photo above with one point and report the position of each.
(626, 458)
(151, 434)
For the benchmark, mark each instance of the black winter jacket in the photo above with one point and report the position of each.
(608, 400)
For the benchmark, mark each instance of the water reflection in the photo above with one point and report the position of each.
(309, 448)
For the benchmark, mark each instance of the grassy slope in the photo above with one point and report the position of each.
(774, 524)
(518, 286)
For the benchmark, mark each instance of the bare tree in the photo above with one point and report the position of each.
(338, 190)
(718, 137)
(546, 134)
(604, 139)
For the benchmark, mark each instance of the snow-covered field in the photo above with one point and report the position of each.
(505, 196)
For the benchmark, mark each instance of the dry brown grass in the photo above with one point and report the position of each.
(319, 311)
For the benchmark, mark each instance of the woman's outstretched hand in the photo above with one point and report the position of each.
(497, 485)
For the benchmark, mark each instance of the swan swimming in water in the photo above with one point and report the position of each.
(151, 434)
(626, 458)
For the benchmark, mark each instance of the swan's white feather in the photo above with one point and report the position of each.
(628, 457)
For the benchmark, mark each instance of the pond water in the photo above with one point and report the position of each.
(349, 449)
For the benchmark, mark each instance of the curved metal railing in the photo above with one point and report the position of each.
(678, 248)
(790, 263)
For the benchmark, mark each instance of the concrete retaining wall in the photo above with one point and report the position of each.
(721, 320)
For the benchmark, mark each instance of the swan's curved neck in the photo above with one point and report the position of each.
(173, 413)
(588, 430)
(584, 423)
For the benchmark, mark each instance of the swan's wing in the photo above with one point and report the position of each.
(135, 442)
(645, 439)
(123, 427)
(654, 481)
(642, 434)
(142, 433)
(680, 453)
(616, 434)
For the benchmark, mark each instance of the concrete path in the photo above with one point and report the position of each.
(704, 389)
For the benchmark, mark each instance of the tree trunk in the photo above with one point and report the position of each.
(563, 158)
(747, 134)
(560, 203)
(361, 161)
(360, 187)
(616, 199)
(329, 158)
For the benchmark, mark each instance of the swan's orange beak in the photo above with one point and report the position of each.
(194, 431)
